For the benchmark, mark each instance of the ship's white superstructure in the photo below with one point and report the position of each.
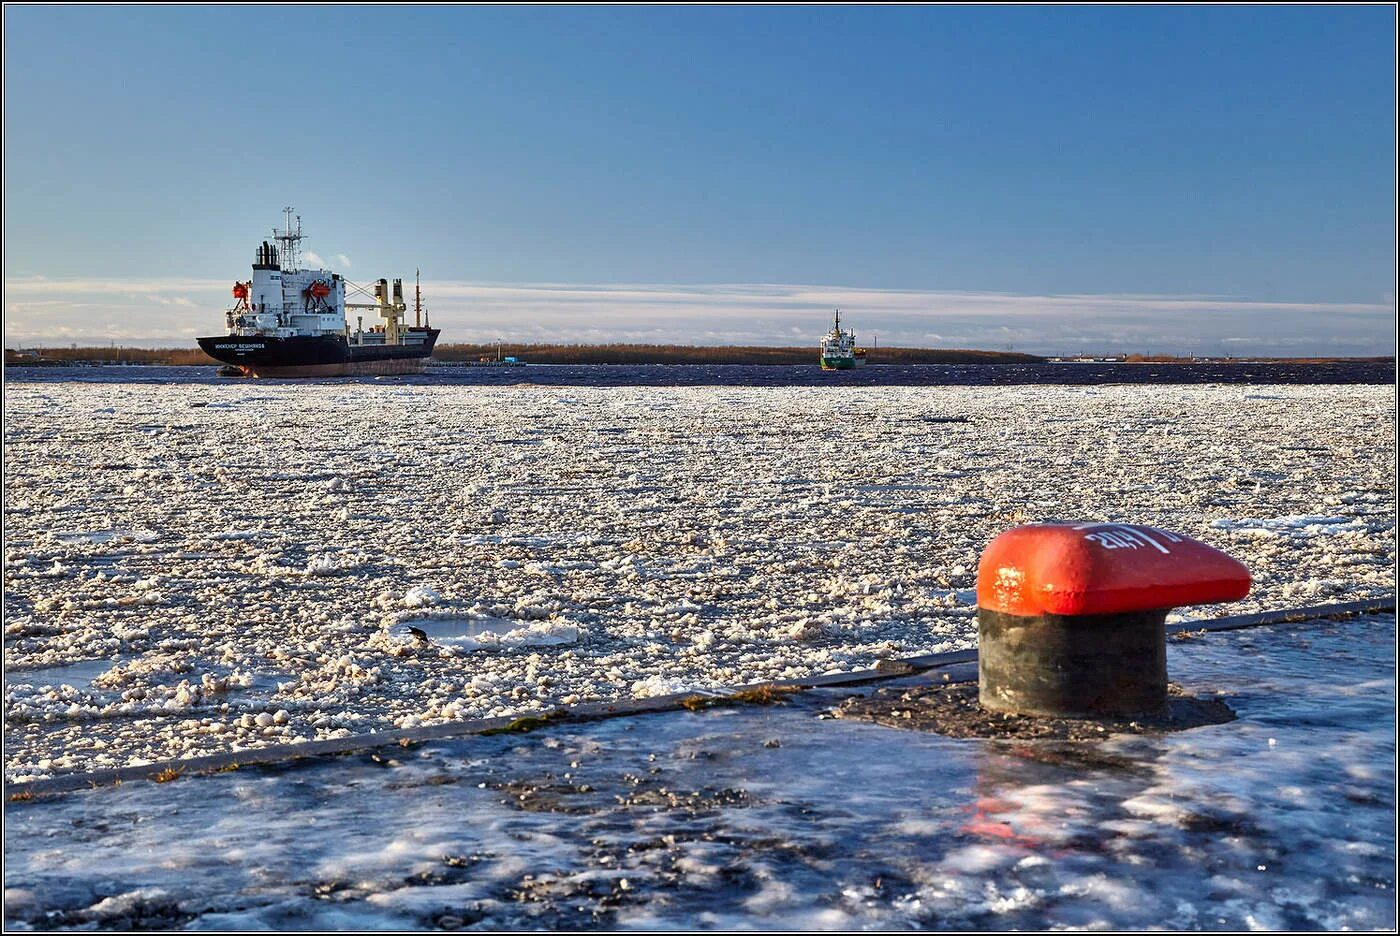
(284, 301)
(838, 347)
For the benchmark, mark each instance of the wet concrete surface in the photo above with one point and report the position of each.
(778, 815)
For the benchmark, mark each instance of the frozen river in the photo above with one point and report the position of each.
(775, 817)
(206, 566)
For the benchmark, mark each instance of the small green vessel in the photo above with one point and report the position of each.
(838, 347)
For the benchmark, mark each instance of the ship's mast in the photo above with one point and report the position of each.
(417, 302)
(290, 240)
(838, 320)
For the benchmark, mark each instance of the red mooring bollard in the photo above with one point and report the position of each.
(1071, 617)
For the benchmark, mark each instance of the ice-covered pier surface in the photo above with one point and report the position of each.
(193, 568)
(775, 817)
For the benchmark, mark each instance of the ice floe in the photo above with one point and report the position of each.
(596, 543)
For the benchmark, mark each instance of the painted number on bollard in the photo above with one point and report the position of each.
(1120, 536)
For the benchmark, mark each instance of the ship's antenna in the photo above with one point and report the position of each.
(290, 240)
(417, 301)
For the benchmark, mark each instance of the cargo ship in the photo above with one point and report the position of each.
(291, 322)
(838, 347)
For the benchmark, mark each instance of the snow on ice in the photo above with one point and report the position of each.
(205, 555)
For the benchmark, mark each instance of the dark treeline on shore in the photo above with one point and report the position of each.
(109, 355)
(693, 354)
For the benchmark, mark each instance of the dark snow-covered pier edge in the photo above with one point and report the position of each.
(960, 665)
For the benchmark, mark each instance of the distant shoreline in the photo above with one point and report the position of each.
(649, 354)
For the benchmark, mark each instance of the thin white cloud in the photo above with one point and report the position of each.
(344, 261)
(69, 286)
(740, 313)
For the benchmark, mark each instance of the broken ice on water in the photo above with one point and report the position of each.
(203, 567)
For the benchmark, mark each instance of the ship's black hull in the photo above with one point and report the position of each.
(319, 356)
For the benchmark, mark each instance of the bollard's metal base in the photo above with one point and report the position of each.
(1073, 667)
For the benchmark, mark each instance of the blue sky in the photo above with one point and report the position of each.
(1184, 178)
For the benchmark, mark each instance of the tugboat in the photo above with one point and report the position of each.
(291, 322)
(838, 347)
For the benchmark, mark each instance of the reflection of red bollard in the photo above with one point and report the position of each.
(1070, 618)
(988, 822)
